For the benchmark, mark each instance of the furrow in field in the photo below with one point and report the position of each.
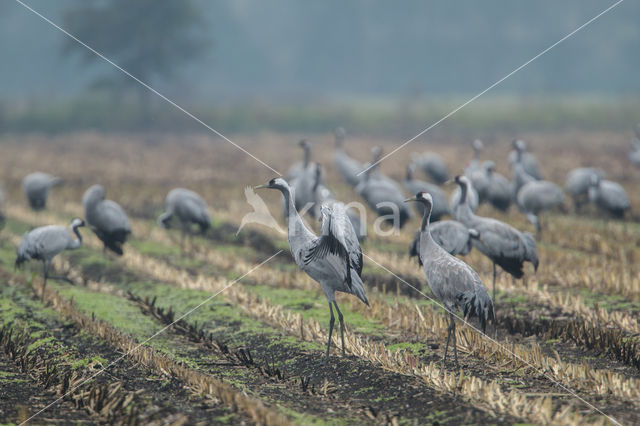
(61, 358)
(199, 382)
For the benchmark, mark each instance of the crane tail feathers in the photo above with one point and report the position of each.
(479, 305)
(357, 288)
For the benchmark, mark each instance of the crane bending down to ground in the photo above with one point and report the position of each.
(454, 283)
(432, 165)
(609, 196)
(45, 242)
(36, 187)
(578, 182)
(189, 208)
(538, 196)
(503, 244)
(440, 206)
(386, 199)
(451, 235)
(106, 219)
(500, 190)
(334, 259)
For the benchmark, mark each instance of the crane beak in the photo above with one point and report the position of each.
(410, 199)
(449, 182)
(261, 186)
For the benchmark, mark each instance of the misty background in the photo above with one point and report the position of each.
(290, 65)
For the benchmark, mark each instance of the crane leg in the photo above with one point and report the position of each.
(341, 325)
(45, 271)
(494, 283)
(451, 331)
(455, 343)
(332, 320)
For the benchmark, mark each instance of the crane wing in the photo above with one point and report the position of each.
(111, 217)
(339, 238)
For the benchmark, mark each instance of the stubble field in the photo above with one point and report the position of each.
(252, 354)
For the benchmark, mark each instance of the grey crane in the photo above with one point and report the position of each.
(303, 183)
(433, 166)
(189, 208)
(454, 283)
(36, 187)
(476, 172)
(413, 186)
(538, 196)
(45, 242)
(451, 235)
(373, 170)
(334, 259)
(578, 182)
(503, 244)
(609, 197)
(479, 178)
(521, 176)
(529, 162)
(106, 219)
(385, 199)
(474, 164)
(299, 167)
(499, 190)
(456, 199)
(347, 166)
(324, 196)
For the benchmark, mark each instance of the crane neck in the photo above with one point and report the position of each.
(295, 225)
(409, 175)
(424, 226)
(463, 193)
(518, 155)
(78, 241)
(463, 210)
(476, 154)
(307, 155)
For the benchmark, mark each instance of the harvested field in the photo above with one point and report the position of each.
(566, 339)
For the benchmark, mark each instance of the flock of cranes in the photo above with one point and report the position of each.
(334, 258)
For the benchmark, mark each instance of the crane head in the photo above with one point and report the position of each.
(461, 180)
(76, 222)
(489, 166)
(275, 183)
(519, 145)
(422, 197)
(477, 145)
